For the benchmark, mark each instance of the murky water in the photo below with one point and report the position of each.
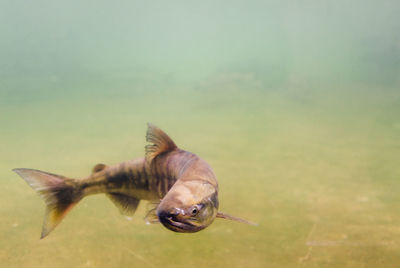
(301, 124)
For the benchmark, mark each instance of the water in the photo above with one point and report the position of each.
(296, 107)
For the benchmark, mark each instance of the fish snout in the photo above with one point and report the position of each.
(172, 219)
(168, 214)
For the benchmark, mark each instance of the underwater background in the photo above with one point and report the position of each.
(295, 105)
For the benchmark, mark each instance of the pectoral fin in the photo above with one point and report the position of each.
(126, 204)
(230, 217)
(151, 215)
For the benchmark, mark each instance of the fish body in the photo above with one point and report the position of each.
(181, 184)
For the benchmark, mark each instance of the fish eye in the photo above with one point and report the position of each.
(195, 210)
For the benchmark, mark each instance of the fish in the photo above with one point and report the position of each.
(181, 187)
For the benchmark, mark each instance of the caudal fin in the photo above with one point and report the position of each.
(59, 193)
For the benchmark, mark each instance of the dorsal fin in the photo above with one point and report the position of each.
(160, 142)
(98, 167)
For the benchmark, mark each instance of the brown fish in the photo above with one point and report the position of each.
(185, 184)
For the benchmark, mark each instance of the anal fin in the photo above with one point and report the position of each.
(126, 204)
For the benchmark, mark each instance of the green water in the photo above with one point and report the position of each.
(295, 106)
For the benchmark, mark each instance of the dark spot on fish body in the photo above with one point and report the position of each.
(162, 185)
(154, 176)
(136, 176)
(166, 185)
(165, 173)
(169, 177)
(84, 185)
(145, 178)
(132, 178)
(171, 183)
(137, 180)
(153, 168)
(166, 165)
(116, 180)
(124, 179)
(159, 178)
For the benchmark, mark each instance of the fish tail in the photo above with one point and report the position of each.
(59, 193)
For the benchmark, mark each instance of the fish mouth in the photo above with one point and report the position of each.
(177, 224)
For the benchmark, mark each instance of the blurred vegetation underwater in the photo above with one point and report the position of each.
(296, 106)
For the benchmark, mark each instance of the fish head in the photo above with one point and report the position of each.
(189, 207)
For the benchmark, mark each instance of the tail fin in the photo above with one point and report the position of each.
(59, 193)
